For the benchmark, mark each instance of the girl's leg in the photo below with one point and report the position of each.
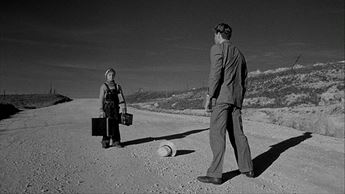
(105, 141)
(116, 137)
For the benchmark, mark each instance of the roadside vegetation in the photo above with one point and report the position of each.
(13, 103)
(308, 98)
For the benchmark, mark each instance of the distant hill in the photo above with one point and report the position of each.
(11, 104)
(319, 84)
(30, 101)
(309, 98)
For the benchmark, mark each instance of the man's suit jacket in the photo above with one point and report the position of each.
(227, 79)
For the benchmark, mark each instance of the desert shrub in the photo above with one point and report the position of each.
(181, 104)
(189, 104)
(305, 100)
(149, 96)
(341, 87)
(166, 104)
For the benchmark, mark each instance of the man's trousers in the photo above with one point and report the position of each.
(226, 117)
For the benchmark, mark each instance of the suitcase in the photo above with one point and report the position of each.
(103, 126)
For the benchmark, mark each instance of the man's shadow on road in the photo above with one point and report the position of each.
(266, 159)
(167, 137)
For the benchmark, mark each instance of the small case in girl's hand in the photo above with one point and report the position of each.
(126, 119)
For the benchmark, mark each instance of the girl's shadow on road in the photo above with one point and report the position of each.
(167, 137)
(266, 159)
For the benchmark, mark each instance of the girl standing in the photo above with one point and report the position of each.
(111, 98)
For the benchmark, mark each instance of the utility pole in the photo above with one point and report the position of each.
(51, 87)
(2, 64)
(299, 56)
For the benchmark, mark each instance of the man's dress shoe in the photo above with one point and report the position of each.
(207, 179)
(249, 174)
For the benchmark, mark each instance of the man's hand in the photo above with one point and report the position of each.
(124, 110)
(208, 104)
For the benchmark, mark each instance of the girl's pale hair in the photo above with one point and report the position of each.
(108, 71)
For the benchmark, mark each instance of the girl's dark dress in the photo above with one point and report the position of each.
(111, 109)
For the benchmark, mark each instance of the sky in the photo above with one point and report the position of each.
(155, 44)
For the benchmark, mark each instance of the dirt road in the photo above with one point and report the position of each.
(51, 150)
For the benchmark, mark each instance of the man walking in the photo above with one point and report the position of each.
(224, 99)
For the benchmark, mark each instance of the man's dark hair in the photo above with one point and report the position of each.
(224, 29)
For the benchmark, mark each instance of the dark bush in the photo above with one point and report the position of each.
(7, 110)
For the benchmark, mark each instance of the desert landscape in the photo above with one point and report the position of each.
(51, 150)
(55, 57)
(297, 145)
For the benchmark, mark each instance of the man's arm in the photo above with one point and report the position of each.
(216, 57)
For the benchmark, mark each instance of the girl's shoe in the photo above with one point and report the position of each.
(117, 144)
(105, 144)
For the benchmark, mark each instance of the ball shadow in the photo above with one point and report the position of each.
(183, 152)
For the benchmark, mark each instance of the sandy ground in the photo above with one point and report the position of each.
(51, 150)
